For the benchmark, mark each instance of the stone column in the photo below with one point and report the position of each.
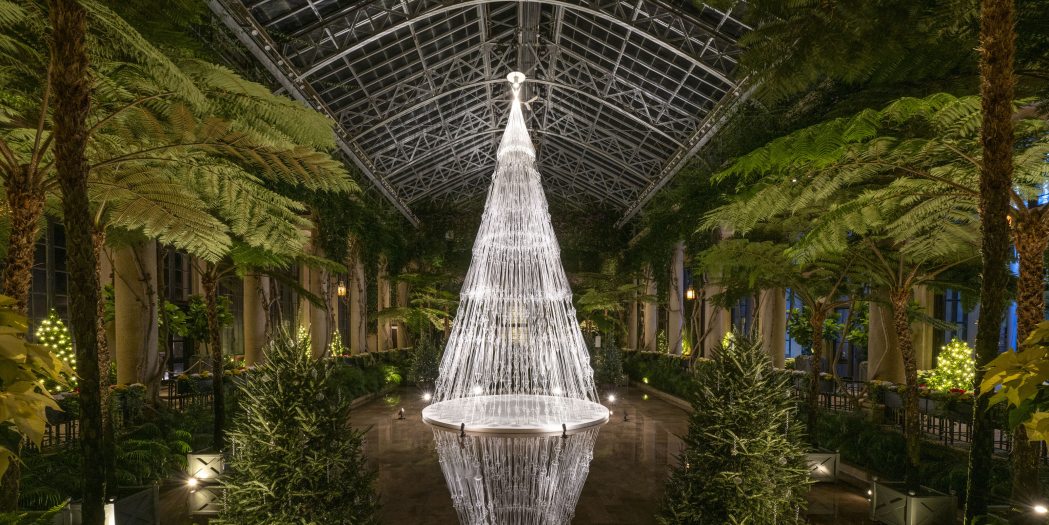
(772, 322)
(676, 300)
(651, 313)
(631, 319)
(383, 332)
(884, 361)
(403, 337)
(716, 321)
(922, 333)
(358, 309)
(254, 317)
(135, 311)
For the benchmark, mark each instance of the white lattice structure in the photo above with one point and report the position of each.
(515, 414)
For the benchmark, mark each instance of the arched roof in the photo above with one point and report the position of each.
(622, 92)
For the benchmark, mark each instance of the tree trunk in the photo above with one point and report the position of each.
(71, 82)
(211, 297)
(1031, 242)
(997, 47)
(25, 199)
(911, 417)
(26, 202)
(816, 323)
(109, 451)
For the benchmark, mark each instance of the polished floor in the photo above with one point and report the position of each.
(626, 478)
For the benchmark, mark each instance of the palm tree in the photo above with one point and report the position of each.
(69, 77)
(744, 268)
(851, 167)
(884, 47)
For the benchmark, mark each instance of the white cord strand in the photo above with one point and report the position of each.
(516, 330)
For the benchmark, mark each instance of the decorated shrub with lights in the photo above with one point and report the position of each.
(53, 334)
(955, 368)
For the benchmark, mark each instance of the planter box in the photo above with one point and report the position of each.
(139, 508)
(893, 399)
(823, 466)
(928, 406)
(205, 501)
(893, 505)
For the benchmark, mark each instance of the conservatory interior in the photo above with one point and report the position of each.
(533, 262)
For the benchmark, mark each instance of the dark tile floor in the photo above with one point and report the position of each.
(626, 477)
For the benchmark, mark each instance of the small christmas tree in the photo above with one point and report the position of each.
(54, 334)
(744, 457)
(955, 368)
(295, 457)
(337, 348)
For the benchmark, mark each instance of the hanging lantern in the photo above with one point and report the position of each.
(690, 293)
(340, 290)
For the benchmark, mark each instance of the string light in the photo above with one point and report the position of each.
(53, 334)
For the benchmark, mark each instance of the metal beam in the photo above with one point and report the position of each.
(711, 125)
(566, 87)
(268, 56)
(473, 136)
(461, 4)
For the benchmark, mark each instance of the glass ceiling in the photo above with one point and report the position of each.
(620, 94)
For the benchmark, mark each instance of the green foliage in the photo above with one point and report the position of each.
(672, 374)
(800, 329)
(882, 452)
(54, 334)
(147, 453)
(1017, 379)
(608, 362)
(372, 372)
(24, 367)
(425, 362)
(32, 518)
(955, 368)
(744, 457)
(196, 317)
(295, 457)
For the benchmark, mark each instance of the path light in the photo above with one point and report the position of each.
(427, 397)
(400, 414)
(611, 398)
(1040, 509)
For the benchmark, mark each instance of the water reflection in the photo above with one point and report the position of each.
(508, 480)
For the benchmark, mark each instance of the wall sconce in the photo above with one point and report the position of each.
(340, 289)
(690, 293)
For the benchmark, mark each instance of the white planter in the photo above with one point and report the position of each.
(893, 505)
(823, 466)
(205, 500)
(204, 467)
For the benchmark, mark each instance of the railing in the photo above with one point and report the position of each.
(181, 394)
(948, 425)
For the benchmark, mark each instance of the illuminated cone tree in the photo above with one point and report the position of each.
(515, 411)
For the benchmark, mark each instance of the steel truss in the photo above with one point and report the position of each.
(622, 92)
